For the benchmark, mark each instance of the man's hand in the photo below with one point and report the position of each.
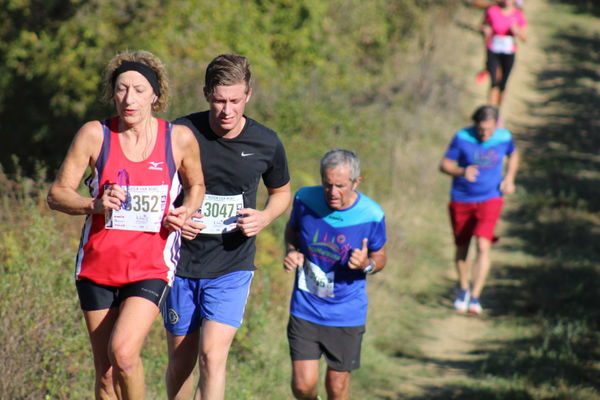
(251, 221)
(175, 218)
(192, 227)
(507, 186)
(359, 258)
(293, 260)
(471, 173)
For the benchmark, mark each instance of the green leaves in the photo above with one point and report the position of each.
(303, 54)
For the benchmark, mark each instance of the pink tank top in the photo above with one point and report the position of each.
(502, 40)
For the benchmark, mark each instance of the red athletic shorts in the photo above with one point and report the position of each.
(474, 219)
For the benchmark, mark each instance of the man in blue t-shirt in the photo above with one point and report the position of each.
(335, 238)
(475, 160)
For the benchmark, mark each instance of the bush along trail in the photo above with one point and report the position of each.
(539, 337)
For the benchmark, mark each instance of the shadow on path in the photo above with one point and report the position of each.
(584, 6)
(458, 392)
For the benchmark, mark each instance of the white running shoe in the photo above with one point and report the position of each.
(461, 304)
(475, 307)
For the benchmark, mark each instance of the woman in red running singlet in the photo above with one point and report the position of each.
(130, 240)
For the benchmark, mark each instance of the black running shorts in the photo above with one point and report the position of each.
(341, 345)
(93, 296)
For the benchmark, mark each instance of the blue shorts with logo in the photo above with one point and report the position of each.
(221, 299)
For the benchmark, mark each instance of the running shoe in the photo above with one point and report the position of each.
(475, 307)
(482, 76)
(461, 303)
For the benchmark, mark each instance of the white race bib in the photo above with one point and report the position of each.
(314, 280)
(143, 210)
(503, 44)
(220, 213)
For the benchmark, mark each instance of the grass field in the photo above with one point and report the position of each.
(540, 337)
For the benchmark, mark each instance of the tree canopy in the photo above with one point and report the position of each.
(54, 52)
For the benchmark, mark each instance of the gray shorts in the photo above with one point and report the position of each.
(341, 345)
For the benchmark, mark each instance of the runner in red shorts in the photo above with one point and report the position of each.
(475, 160)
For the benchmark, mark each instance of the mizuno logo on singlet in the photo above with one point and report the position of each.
(246, 154)
(155, 165)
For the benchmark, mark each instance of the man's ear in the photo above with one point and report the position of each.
(356, 182)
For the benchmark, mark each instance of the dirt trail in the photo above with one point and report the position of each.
(453, 348)
(521, 89)
(450, 350)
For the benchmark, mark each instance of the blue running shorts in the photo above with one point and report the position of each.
(221, 299)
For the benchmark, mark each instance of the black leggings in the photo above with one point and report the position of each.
(505, 62)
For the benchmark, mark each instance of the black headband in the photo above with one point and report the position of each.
(143, 69)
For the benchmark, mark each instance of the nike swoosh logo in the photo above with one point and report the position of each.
(246, 154)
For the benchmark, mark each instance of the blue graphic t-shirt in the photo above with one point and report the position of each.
(467, 149)
(326, 291)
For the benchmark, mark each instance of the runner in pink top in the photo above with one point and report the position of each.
(503, 23)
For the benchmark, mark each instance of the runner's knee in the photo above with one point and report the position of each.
(124, 358)
(483, 245)
(213, 360)
(181, 365)
(337, 385)
(303, 389)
